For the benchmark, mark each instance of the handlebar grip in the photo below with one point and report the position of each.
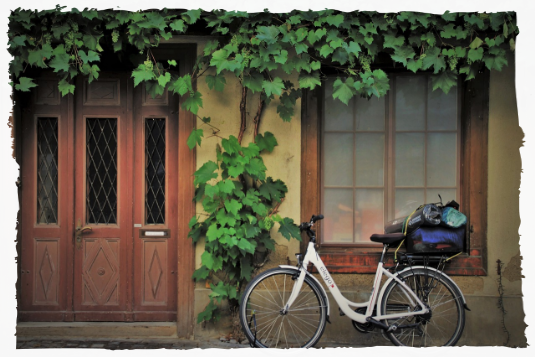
(317, 218)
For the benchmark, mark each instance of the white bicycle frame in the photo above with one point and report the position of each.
(346, 305)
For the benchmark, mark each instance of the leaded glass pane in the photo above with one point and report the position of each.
(338, 212)
(47, 170)
(155, 170)
(410, 103)
(101, 174)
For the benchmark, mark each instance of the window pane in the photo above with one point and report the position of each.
(47, 170)
(155, 171)
(369, 159)
(370, 114)
(442, 159)
(410, 159)
(410, 103)
(338, 212)
(338, 160)
(447, 194)
(101, 174)
(369, 213)
(338, 116)
(441, 109)
(407, 200)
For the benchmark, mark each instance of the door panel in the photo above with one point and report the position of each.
(46, 181)
(155, 205)
(103, 183)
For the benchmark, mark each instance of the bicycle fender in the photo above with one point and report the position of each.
(317, 282)
(421, 266)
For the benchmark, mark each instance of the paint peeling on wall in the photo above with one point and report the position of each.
(520, 268)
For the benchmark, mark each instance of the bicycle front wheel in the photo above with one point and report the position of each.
(443, 326)
(261, 309)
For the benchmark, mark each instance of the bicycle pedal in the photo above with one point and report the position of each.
(341, 312)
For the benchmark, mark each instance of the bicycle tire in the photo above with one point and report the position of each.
(263, 299)
(442, 327)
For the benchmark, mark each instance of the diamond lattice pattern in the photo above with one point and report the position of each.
(47, 170)
(155, 170)
(101, 161)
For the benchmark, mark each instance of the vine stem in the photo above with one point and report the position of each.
(243, 113)
(276, 208)
(256, 119)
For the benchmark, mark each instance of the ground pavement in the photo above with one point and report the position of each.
(164, 348)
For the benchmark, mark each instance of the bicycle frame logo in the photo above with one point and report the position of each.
(326, 277)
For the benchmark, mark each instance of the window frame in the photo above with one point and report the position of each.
(349, 258)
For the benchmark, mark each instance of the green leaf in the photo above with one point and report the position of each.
(470, 71)
(205, 173)
(273, 190)
(266, 141)
(476, 43)
(448, 16)
(391, 41)
(253, 82)
(65, 87)
(414, 65)
(178, 26)
(246, 246)
(246, 268)
(231, 145)
(90, 14)
(219, 60)
(448, 31)
(256, 168)
(309, 80)
(191, 16)
(429, 38)
(301, 48)
(288, 229)
(142, 73)
(195, 138)
(340, 56)
(218, 82)
(444, 81)
(273, 87)
(402, 54)
(25, 84)
(335, 20)
(91, 42)
(314, 36)
(267, 34)
(343, 91)
(193, 103)
(200, 274)
(475, 55)
(211, 191)
(434, 59)
(60, 62)
(233, 206)
(226, 186)
(210, 205)
(164, 79)
(325, 51)
(209, 313)
(251, 230)
(495, 62)
(182, 85)
(90, 57)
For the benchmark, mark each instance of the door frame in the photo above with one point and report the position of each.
(11, 202)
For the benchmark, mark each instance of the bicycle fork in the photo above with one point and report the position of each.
(295, 291)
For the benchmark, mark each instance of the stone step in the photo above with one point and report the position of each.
(138, 330)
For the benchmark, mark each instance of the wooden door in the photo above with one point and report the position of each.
(100, 203)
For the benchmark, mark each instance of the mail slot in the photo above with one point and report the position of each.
(154, 233)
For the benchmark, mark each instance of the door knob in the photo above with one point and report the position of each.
(78, 234)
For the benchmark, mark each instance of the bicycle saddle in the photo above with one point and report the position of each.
(389, 238)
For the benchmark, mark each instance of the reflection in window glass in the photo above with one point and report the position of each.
(398, 153)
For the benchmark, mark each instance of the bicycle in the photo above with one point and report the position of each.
(287, 307)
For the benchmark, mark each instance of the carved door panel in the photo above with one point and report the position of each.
(102, 199)
(46, 193)
(155, 205)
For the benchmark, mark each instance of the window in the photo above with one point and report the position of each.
(414, 144)
(383, 157)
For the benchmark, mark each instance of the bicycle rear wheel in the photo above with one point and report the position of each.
(443, 326)
(261, 305)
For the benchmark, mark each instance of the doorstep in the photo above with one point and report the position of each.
(108, 330)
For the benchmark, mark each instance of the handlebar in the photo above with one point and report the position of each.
(308, 225)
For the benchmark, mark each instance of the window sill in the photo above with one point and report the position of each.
(365, 262)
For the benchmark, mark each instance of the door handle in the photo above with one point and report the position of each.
(78, 234)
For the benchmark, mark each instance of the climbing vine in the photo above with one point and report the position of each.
(261, 50)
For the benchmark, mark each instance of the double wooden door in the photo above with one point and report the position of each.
(99, 203)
